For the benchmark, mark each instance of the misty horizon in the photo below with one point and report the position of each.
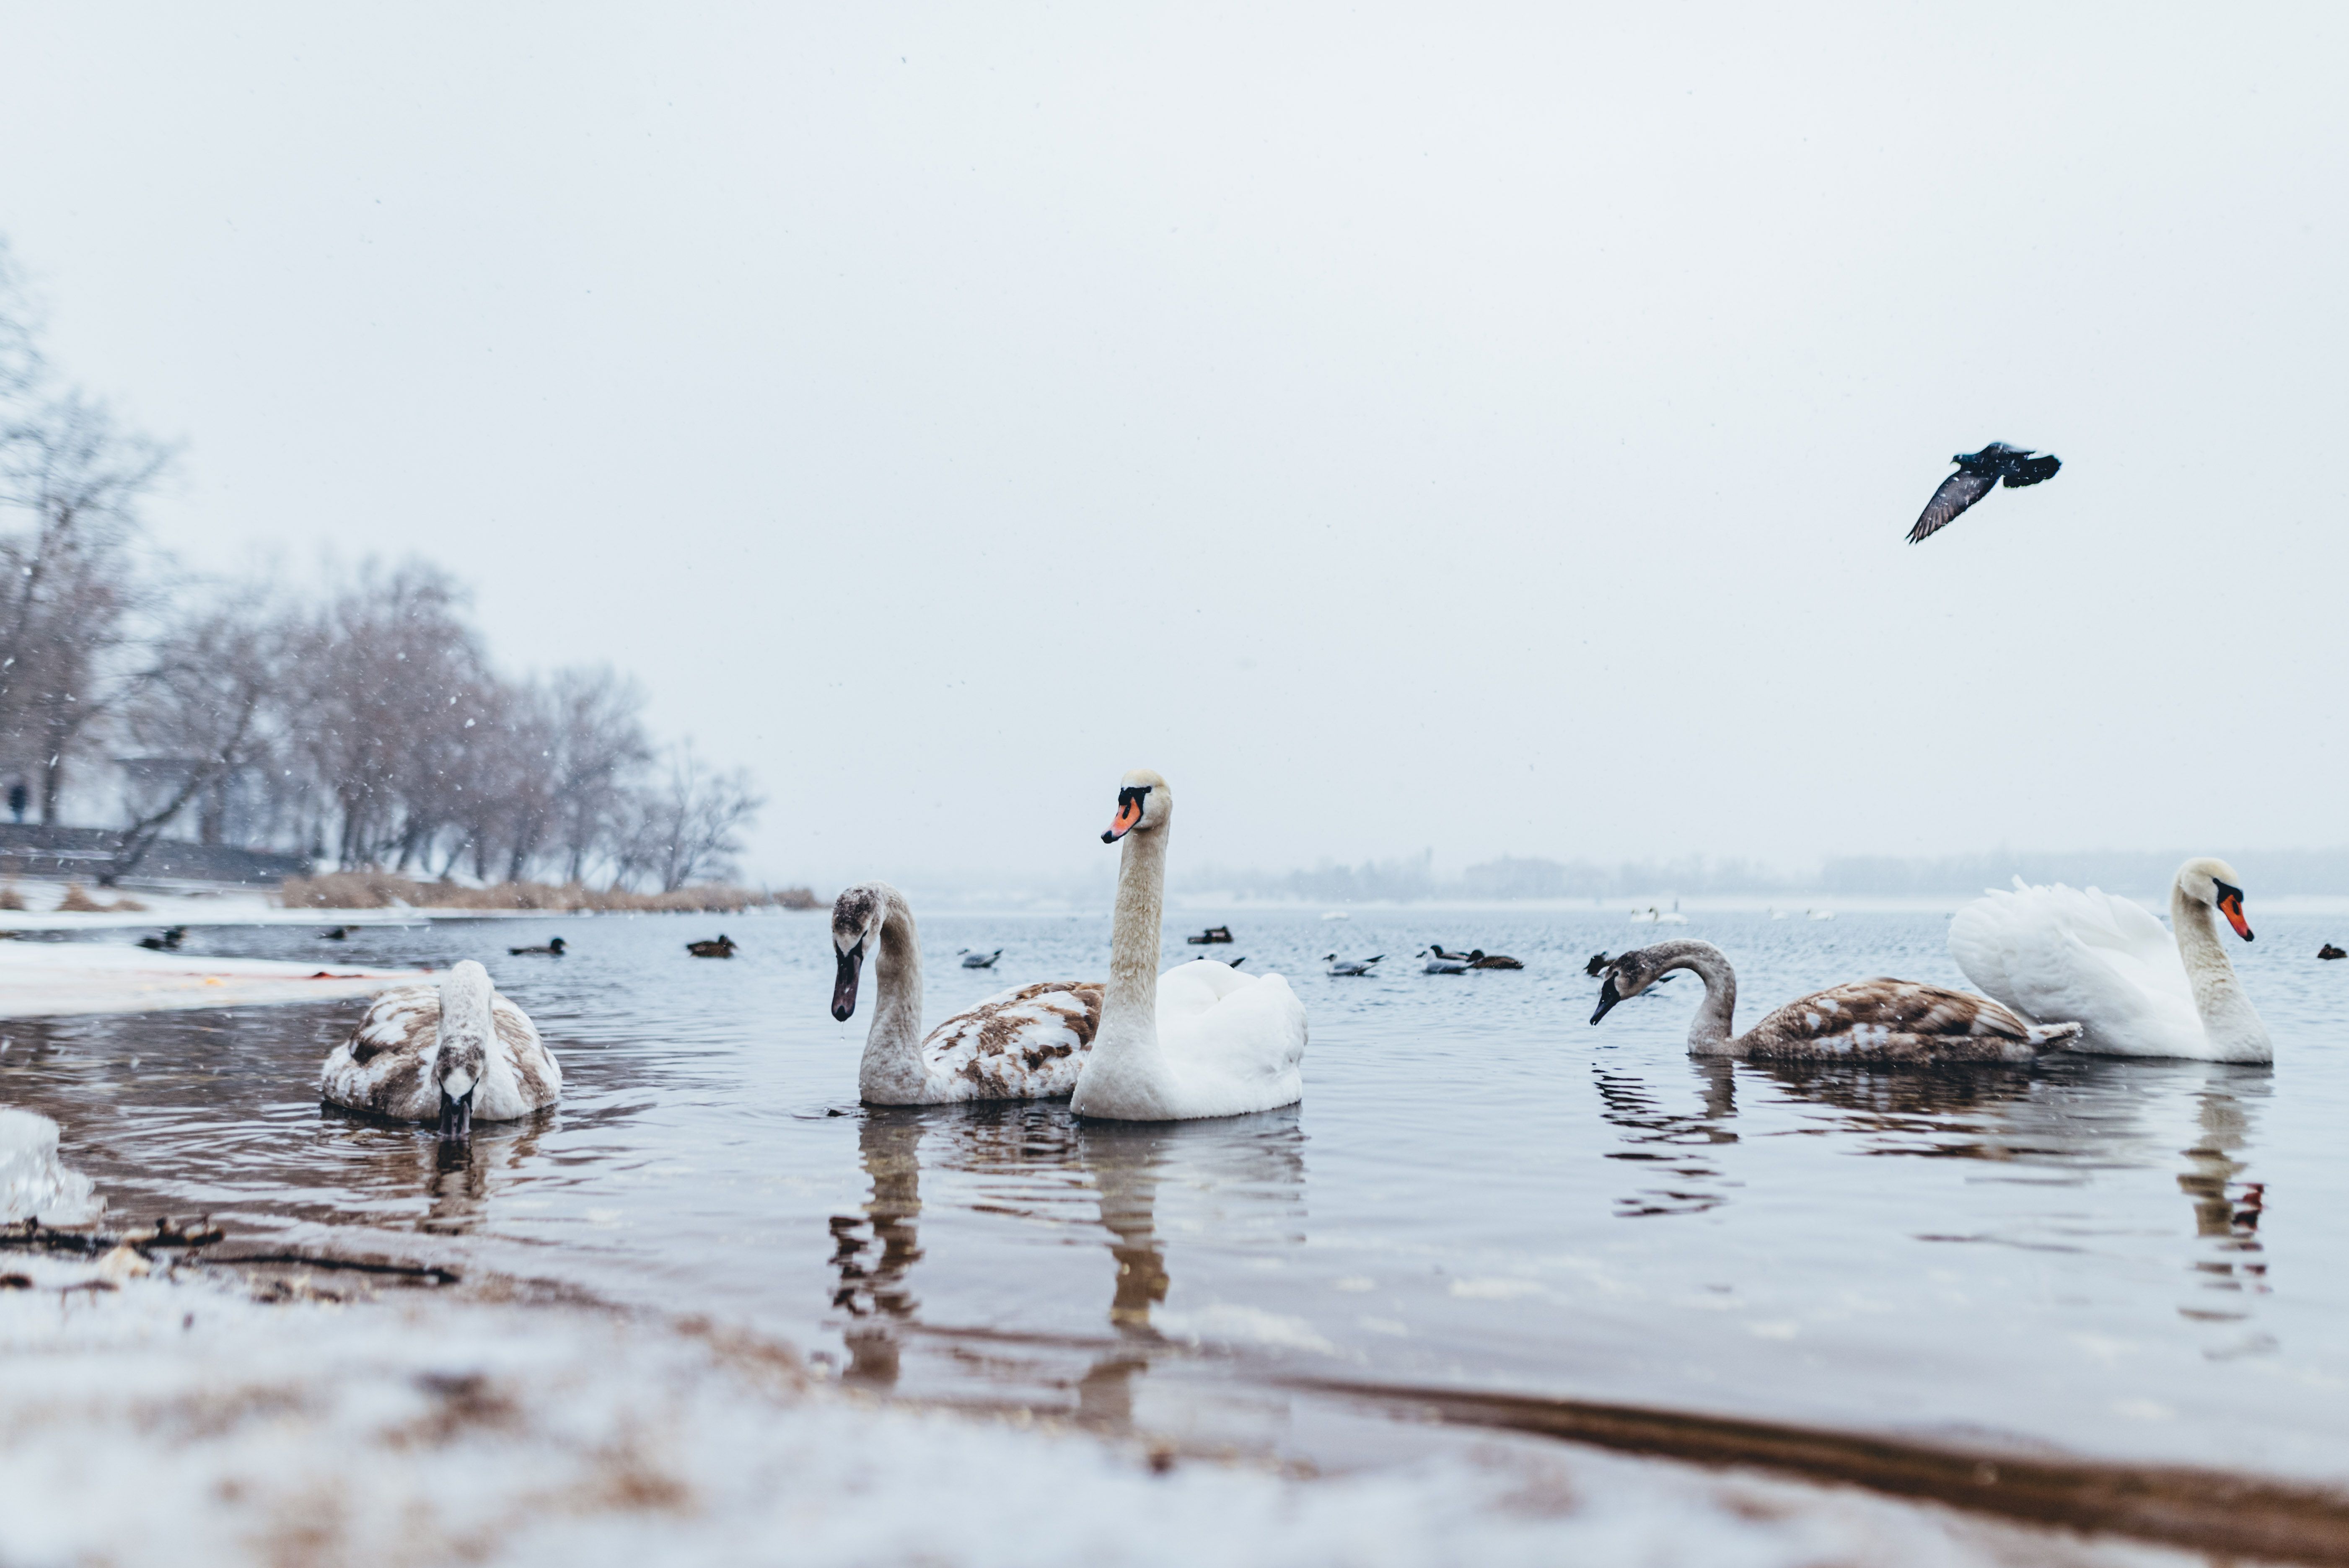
(940, 419)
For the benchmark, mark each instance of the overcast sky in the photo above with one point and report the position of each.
(1491, 430)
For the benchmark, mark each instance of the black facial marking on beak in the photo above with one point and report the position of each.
(1132, 801)
(2231, 905)
(844, 984)
(456, 1116)
(1607, 997)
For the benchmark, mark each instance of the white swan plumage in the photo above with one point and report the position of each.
(1200, 1040)
(2056, 953)
(452, 1054)
(1023, 1043)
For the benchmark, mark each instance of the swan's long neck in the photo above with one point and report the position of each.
(1129, 1024)
(462, 1054)
(1709, 1030)
(2228, 1017)
(892, 1067)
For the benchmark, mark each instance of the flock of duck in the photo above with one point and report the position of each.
(2058, 969)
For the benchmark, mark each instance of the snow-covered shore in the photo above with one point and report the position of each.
(182, 1420)
(50, 979)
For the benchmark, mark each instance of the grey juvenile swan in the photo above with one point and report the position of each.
(1877, 1020)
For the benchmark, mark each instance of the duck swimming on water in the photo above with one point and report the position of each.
(722, 948)
(553, 949)
(1879, 1020)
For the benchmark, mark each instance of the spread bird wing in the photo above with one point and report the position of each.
(2031, 471)
(1959, 492)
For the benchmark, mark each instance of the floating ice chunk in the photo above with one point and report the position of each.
(33, 1184)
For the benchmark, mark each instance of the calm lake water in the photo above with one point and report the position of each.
(2131, 1260)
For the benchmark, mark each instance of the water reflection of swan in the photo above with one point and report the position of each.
(1258, 1159)
(457, 1178)
(874, 1289)
(1251, 1168)
(2226, 1219)
(1675, 1144)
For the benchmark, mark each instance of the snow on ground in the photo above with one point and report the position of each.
(50, 978)
(184, 903)
(182, 1420)
(36, 1184)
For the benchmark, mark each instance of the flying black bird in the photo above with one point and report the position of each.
(1978, 473)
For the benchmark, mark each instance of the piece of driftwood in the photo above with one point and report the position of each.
(31, 1235)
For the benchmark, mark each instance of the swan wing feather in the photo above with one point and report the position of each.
(1189, 989)
(385, 1064)
(1025, 1043)
(522, 1074)
(1244, 1052)
(1894, 1020)
(2060, 954)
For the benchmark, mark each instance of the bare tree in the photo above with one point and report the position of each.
(599, 752)
(70, 588)
(203, 714)
(21, 366)
(686, 826)
(390, 680)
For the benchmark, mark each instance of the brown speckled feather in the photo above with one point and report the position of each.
(1026, 1043)
(386, 1065)
(1891, 1021)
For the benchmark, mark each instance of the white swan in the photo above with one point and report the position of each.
(2053, 952)
(452, 1054)
(1199, 1040)
(1026, 1043)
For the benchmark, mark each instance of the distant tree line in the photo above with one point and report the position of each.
(364, 724)
(2134, 874)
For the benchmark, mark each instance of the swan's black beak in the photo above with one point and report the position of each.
(456, 1116)
(2231, 905)
(844, 984)
(1607, 997)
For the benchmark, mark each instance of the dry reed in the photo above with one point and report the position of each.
(384, 890)
(77, 900)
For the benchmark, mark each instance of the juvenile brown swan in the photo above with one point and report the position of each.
(451, 1054)
(1026, 1043)
(1878, 1020)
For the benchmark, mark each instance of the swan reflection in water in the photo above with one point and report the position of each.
(2075, 1113)
(1034, 1162)
(456, 1178)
